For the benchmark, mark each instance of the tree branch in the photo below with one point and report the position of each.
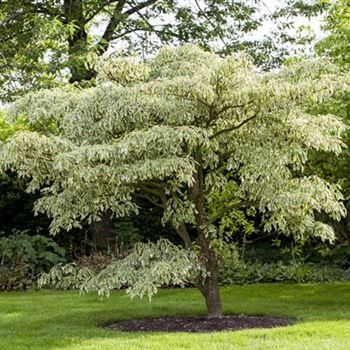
(148, 198)
(10, 18)
(139, 7)
(234, 127)
(92, 14)
(182, 231)
(228, 107)
(112, 25)
(117, 17)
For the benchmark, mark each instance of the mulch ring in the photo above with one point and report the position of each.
(198, 324)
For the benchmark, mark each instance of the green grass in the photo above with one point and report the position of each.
(65, 320)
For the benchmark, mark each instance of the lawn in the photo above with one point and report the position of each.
(64, 320)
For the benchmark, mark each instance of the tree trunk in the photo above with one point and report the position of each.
(102, 233)
(210, 290)
(77, 42)
(209, 286)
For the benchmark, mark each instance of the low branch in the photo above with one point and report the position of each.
(152, 183)
(150, 190)
(182, 231)
(149, 199)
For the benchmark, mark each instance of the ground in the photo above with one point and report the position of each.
(198, 324)
(66, 321)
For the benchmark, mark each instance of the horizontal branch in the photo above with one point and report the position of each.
(231, 106)
(234, 127)
(149, 199)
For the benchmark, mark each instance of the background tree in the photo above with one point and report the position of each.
(171, 130)
(337, 24)
(335, 47)
(47, 42)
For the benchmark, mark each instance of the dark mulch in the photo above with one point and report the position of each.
(198, 324)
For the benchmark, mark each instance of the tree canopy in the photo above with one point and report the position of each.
(179, 129)
(337, 24)
(46, 42)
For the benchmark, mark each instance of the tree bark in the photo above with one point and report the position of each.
(102, 233)
(209, 286)
(77, 41)
(211, 293)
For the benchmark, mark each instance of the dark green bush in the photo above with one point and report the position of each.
(299, 272)
(23, 256)
(338, 255)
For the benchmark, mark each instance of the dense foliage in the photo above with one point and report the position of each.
(24, 256)
(292, 272)
(335, 46)
(143, 271)
(16, 206)
(337, 25)
(45, 43)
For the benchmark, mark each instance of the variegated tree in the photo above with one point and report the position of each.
(179, 130)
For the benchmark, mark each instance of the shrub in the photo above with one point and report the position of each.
(23, 256)
(299, 272)
(15, 277)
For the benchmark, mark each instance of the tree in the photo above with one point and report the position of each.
(337, 24)
(179, 130)
(45, 43)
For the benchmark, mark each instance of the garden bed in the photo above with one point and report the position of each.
(198, 324)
